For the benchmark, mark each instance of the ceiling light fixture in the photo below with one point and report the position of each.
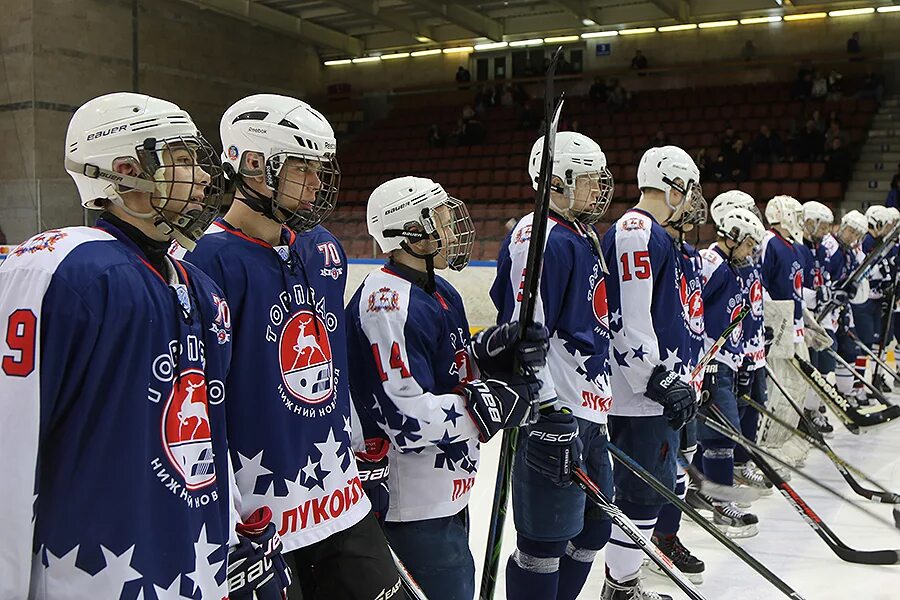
(531, 42)
(682, 27)
(755, 20)
(491, 46)
(599, 34)
(637, 31)
(849, 12)
(714, 24)
(805, 16)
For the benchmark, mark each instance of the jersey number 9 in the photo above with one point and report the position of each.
(21, 336)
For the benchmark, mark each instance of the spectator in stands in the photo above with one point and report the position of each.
(727, 141)
(835, 131)
(618, 98)
(659, 140)
(803, 83)
(719, 169)
(748, 52)
(819, 85)
(767, 146)
(853, 46)
(809, 143)
(639, 62)
(872, 86)
(739, 161)
(893, 197)
(435, 137)
(575, 126)
(818, 123)
(837, 161)
(834, 84)
(463, 75)
(598, 91)
(701, 161)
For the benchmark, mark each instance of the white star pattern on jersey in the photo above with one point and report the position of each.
(63, 577)
(204, 573)
(671, 360)
(250, 472)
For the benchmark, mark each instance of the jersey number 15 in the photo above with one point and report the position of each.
(640, 261)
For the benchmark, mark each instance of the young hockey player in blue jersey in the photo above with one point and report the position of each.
(817, 221)
(868, 315)
(651, 351)
(558, 532)
(289, 424)
(113, 456)
(434, 393)
(739, 233)
(750, 377)
(840, 257)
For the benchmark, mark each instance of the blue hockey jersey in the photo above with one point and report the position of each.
(782, 275)
(289, 426)
(753, 324)
(112, 422)
(572, 304)
(692, 266)
(880, 275)
(723, 299)
(838, 263)
(655, 310)
(410, 352)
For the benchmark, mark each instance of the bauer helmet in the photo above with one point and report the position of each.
(726, 201)
(817, 220)
(576, 157)
(670, 168)
(786, 211)
(853, 226)
(175, 164)
(879, 219)
(298, 165)
(739, 225)
(407, 210)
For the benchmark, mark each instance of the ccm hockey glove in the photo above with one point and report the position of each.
(498, 349)
(373, 473)
(742, 381)
(676, 397)
(508, 401)
(554, 448)
(256, 569)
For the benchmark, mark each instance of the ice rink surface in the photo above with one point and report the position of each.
(785, 544)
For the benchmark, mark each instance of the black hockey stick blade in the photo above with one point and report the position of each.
(703, 522)
(897, 516)
(871, 354)
(872, 389)
(717, 491)
(596, 496)
(412, 589)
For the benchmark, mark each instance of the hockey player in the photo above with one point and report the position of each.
(817, 221)
(289, 428)
(651, 351)
(558, 533)
(839, 258)
(868, 315)
(738, 235)
(418, 377)
(112, 429)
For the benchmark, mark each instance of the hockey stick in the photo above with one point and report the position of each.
(875, 256)
(887, 313)
(526, 317)
(860, 378)
(631, 530)
(817, 440)
(866, 557)
(874, 356)
(412, 589)
(691, 512)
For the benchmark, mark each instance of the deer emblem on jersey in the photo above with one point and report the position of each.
(192, 410)
(306, 341)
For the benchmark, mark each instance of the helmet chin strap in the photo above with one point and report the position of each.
(428, 257)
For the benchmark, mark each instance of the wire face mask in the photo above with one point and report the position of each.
(598, 198)
(304, 190)
(452, 227)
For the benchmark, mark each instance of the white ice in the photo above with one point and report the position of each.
(785, 544)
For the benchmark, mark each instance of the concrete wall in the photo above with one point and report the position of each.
(58, 54)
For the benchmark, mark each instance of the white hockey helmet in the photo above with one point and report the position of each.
(575, 155)
(894, 214)
(281, 128)
(738, 225)
(879, 218)
(726, 201)
(410, 209)
(787, 212)
(856, 222)
(668, 168)
(184, 197)
(817, 220)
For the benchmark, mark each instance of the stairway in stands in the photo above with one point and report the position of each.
(879, 157)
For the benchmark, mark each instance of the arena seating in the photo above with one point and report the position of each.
(492, 177)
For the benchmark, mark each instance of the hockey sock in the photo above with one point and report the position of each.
(860, 371)
(669, 521)
(749, 429)
(812, 400)
(623, 557)
(718, 465)
(843, 380)
(575, 566)
(532, 571)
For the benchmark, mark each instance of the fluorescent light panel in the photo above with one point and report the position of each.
(599, 34)
(887, 9)
(562, 39)
(491, 46)
(458, 49)
(682, 27)
(425, 52)
(531, 42)
(366, 59)
(714, 24)
(637, 31)
(755, 20)
(393, 56)
(333, 63)
(851, 11)
(805, 16)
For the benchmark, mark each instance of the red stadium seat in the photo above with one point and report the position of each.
(809, 190)
(801, 171)
(831, 190)
(780, 171)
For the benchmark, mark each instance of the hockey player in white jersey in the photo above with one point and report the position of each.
(739, 233)
(558, 532)
(433, 392)
(651, 351)
(113, 454)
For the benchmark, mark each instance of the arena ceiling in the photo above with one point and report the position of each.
(353, 27)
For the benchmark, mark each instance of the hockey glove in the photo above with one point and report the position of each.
(498, 349)
(710, 382)
(554, 448)
(742, 380)
(768, 336)
(373, 473)
(844, 291)
(814, 334)
(676, 397)
(256, 568)
(509, 401)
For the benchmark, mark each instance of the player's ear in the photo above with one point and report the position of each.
(252, 164)
(126, 165)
